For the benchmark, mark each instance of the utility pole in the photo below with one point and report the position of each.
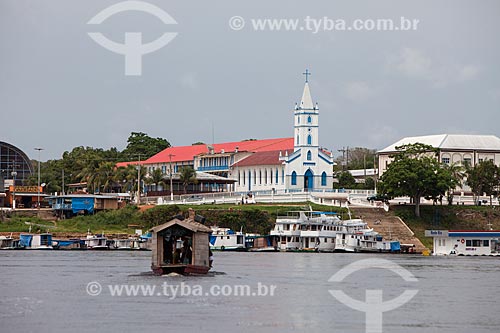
(14, 174)
(38, 187)
(139, 181)
(171, 182)
(344, 163)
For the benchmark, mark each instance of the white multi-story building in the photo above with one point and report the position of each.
(453, 148)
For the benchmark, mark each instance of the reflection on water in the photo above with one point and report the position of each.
(46, 291)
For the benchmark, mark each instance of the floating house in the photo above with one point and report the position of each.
(180, 246)
(465, 242)
(36, 241)
(74, 204)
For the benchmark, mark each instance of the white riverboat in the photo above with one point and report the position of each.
(306, 231)
(7, 243)
(131, 243)
(225, 239)
(465, 242)
(96, 242)
(36, 241)
(356, 236)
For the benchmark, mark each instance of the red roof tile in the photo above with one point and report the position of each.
(187, 153)
(263, 158)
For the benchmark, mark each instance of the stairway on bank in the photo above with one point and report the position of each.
(389, 226)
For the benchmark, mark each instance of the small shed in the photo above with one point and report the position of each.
(180, 246)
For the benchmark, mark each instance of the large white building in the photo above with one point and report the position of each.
(453, 148)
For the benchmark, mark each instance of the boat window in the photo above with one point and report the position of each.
(221, 237)
(227, 237)
(486, 242)
(239, 240)
(476, 242)
(468, 242)
(326, 240)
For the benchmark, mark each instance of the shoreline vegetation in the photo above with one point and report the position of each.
(257, 218)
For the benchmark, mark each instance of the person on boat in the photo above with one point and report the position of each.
(210, 258)
(177, 256)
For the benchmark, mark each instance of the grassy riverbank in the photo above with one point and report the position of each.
(250, 218)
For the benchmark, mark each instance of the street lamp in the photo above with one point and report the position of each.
(171, 186)
(14, 174)
(38, 187)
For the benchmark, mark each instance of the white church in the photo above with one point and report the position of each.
(290, 164)
(305, 167)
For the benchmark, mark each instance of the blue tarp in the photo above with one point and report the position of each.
(212, 239)
(65, 242)
(25, 240)
(85, 204)
(395, 246)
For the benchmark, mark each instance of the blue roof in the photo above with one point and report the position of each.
(474, 234)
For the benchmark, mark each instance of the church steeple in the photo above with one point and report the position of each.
(306, 119)
(306, 102)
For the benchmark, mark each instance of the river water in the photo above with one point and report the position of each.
(53, 291)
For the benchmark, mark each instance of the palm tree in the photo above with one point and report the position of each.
(187, 176)
(105, 175)
(457, 174)
(157, 178)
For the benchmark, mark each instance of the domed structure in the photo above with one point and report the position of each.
(15, 167)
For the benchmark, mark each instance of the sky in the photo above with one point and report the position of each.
(217, 80)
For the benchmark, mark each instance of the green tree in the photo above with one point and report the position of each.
(142, 146)
(187, 176)
(416, 172)
(359, 158)
(369, 183)
(156, 178)
(346, 180)
(484, 178)
(456, 172)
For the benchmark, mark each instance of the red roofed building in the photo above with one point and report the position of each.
(296, 163)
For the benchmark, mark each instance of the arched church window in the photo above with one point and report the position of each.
(298, 141)
(309, 140)
(294, 178)
(309, 157)
(309, 119)
(323, 179)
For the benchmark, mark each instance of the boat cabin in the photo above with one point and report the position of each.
(180, 246)
(465, 242)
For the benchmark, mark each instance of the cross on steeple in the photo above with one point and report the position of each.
(306, 73)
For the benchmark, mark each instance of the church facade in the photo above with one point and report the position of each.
(305, 167)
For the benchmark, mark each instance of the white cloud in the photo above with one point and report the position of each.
(414, 63)
(359, 91)
(190, 80)
(468, 72)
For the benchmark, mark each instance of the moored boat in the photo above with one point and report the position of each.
(96, 242)
(36, 241)
(225, 239)
(306, 231)
(465, 242)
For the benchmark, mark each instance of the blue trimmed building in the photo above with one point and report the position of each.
(308, 167)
